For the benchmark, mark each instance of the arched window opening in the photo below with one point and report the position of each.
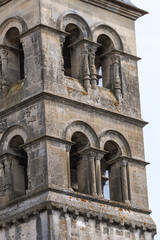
(67, 58)
(110, 174)
(70, 52)
(19, 166)
(102, 61)
(78, 163)
(113, 150)
(15, 55)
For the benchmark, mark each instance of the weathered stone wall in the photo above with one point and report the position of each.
(71, 217)
(46, 108)
(66, 227)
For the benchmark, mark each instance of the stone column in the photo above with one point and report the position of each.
(1, 169)
(4, 76)
(117, 83)
(68, 148)
(8, 177)
(62, 40)
(85, 68)
(124, 182)
(1, 179)
(27, 150)
(93, 72)
(92, 173)
(99, 156)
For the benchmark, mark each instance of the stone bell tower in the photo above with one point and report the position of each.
(71, 143)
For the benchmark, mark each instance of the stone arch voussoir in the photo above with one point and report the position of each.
(9, 134)
(118, 138)
(110, 32)
(16, 22)
(74, 18)
(79, 126)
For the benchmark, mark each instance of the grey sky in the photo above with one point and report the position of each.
(148, 47)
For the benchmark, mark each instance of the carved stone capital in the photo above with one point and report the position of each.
(3, 54)
(99, 156)
(68, 147)
(7, 162)
(115, 59)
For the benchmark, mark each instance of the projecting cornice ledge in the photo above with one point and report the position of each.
(122, 8)
(2, 2)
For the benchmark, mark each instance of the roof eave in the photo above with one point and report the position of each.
(131, 7)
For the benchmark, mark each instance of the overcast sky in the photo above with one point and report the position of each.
(148, 48)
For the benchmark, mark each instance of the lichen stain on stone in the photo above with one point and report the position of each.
(17, 87)
(83, 200)
(71, 79)
(14, 92)
(75, 91)
(120, 209)
(69, 91)
(84, 93)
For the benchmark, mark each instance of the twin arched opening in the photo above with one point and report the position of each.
(97, 171)
(93, 62)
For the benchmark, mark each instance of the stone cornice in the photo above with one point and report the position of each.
(47, 137)
(121, 53)
(44, 27)
(86, 206)
(50, 96)
(118, 7)
(128, 159)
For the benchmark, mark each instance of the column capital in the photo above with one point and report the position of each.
(94, 152)
(68, 147)
(86, 43)
(124, 163)
(3, 53)
(115, 58)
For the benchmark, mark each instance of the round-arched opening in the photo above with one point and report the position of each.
(75, 32)
(101, 60)
(15, 55)
(11, 38)
(113, 150)
(19, 165)
(106, 44)
(76, 165)
(75, 35)
(15, 144)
